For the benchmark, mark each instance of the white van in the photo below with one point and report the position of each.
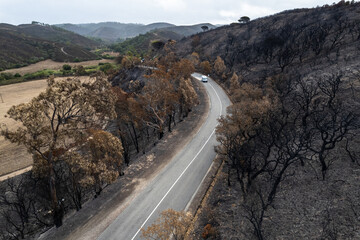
(204, 78)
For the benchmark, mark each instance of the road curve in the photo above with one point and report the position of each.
(178, 182)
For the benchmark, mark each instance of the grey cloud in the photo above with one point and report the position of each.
(143, 11)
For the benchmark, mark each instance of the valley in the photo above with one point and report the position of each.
(244, 128)
(113, 31)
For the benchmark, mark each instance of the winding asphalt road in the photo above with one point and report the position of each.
(179, 181)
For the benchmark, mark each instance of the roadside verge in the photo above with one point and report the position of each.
(97, 214)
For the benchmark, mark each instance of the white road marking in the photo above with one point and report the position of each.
(217, 97)
(172, 186)
(203, 179)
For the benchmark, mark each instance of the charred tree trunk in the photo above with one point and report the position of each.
(169, 125)
(324, 166)
(126, 150)
(161, 134)
(174, 119)
(134, 137)
(58, 212)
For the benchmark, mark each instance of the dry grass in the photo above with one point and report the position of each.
(52, 65)
(12, 156)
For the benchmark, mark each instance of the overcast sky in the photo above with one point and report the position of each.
(144, 11)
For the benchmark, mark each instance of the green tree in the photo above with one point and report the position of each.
(158, 44)
(66, 67)
(106, 67)
(244, 19)
(204, 28)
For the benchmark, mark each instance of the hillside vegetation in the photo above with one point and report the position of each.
(25, 44)
(289, 143)
(145, 43)
(114, 31)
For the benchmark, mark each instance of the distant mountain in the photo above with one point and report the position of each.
(107, 34)
(25, 44)
(56, 34)
(81, 30)
(113, 31)
(189, 30)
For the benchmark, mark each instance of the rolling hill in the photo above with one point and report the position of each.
(25, 44)
(113, 31)
(56, 34)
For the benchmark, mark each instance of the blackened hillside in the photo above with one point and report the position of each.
(289, 146)
(299, 40)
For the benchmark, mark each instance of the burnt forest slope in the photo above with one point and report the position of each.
(290, 145)
(301, 40)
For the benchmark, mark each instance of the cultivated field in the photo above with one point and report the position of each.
(52, 65)
(12, 156)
